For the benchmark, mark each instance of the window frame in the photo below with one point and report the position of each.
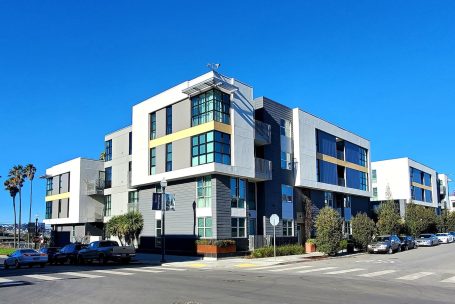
(108, 150)
(168, 120)
(238, 194)
(152, 155)
(237, 227)
(107, 205)
(168, 163)
(204, 187)
(152, 125)
(210, 147)
(48, 214)
(288, 227)
(108, 177)
(205, 227)
(212, 105)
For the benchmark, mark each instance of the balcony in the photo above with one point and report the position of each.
(262, 133)
(263, 169)
(95, 187)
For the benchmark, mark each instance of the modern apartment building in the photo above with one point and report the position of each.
(443, 187)
(451, 207)
(407, 181)
(74, 206)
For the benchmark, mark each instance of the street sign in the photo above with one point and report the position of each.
(274, 220)
(156, 201)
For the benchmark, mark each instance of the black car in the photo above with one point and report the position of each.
(51, 252)
(69, 253)
(407, 242)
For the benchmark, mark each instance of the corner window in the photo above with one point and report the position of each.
(108, 150)
(107, 205)
(204, 227)
(204, 192)
(211, 147)
(153, 125)
(152, 161)
(168, 157)
(48, 210)
(209, 106)
(238, 192)
(49, 186)
(238, 227)
(287, 227)
(108, 177)
(168, 120)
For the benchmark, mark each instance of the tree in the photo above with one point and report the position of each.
(451, 221)
(443, 221)
(308, 219)
(389, 219)
(17, 173)
(115, 227)
(328, 231)
(10, 185)
(414, 219)
(29, 172)
(134, 223)
(363, 229)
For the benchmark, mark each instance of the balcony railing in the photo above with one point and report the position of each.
(263, 169)
(262, 133)
(96, 187)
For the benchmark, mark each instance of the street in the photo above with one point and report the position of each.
(424, 275)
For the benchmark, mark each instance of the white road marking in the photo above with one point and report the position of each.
(316, 269)
(289, 268)
(265, 267)
(345, 271)
(449, 280)
(82, 275)
(142, 269)
(42, 277)
(376, 274)
(415, 276)
(167, 268)
(2, 280)
(113, 272)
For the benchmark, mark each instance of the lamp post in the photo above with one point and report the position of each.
(163, 185)
(36, 227)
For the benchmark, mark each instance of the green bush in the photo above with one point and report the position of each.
(311, 241)
(328, 231)
(217, 243)
(363, 229)
(389, 219)
(265, 252)
(344, 244)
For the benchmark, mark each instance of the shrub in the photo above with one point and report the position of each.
(217, 243)
(363, 229)
(328, 231)
(344, 244)
(389, 219)
(265, 252)
(311, 241)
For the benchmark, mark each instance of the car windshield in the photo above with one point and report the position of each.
(381, 239)
(108, 244)
(425, 236)
(28, 251)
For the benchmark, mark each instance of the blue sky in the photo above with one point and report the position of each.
(71, 70)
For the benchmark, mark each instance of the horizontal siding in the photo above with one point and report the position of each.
(221, 207)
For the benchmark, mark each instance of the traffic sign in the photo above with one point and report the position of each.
(274, 220)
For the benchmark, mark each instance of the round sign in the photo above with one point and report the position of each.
(274, 219)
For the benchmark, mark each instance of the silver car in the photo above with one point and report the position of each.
(27, 257)
(427, 239)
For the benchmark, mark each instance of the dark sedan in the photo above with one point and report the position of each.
(69, 253)
(50, 251)
(407, 242)
(385, 243)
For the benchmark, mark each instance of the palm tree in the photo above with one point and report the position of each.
(10, 185)
(17, 173)
(29, 172)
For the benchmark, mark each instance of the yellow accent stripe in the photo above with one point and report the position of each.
(340, 162)
(421, 186)
(209, 126)
(57, 196)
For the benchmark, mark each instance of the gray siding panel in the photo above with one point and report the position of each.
(145, 208)
(161, 159)
(181, 149)
(221, 206)
(160, 123)
(181, 115)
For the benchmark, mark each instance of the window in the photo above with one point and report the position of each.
(347, 230)
(152, 161)
(209, 106)
(168, 157)
(108, 150)
(158, 229)
(211, 147)
(108, 177)
(238, 227)
(48, 210)
(285, 128)
(286, 194)
(130, 143)
(59, 207)
(204, 192)
(427, 179)
(168, 120)
(204, 227)
(287, 227)
(107, 205)
(238, 192)
(373, 175)
(428, 197)
(153, 125)
(375, 192)
(251, 196)
(49, 186)
(286, 161)
(363, 157)
(363, 181)
(133, 200)
(328, 199)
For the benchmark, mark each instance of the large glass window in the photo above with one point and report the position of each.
(211, 147)
(107, 205)
(363, 157)
(48, 210)
(285, 128)
(49, 186)
(428, 196)
(251, 196)
(108, 150)
(238, 227)
(327, 172)
(287, 194)
(375, 192)
(108, 177)
(204, 192)
(287, 227)
(238, 192)
(328, 199)
(427, 179)
(204, 227)
(168, 157)
(168, 120)
(153, 125)
(133, 200)
(152, 161)
(286, 161)
(373, 176)
(210, 105)
(326, 143)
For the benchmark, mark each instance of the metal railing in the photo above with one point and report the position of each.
(263, 168)
(96, 187)
(262, 133)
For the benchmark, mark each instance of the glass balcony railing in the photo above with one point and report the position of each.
(263, 169)
(262, 133)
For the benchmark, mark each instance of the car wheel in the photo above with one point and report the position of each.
(17, 264)
(5, 265)
(390, 251)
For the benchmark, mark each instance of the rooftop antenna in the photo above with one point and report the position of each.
(213, 66)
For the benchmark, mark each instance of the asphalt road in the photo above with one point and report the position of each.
(425, 275)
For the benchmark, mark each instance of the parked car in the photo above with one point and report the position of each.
(50, 251)
(427, 239)
(27, 257)
(385, 244)
(69, 253)
(452, 233)
(444, 237)
(407, 242)
(105, 251)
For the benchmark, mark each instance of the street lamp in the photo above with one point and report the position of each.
(36, 227)
(163, 185)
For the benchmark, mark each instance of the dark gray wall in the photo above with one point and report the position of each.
(221, 207)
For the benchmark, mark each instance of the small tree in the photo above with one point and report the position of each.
(389, 219)
(414, 219)
(443, 221)
(308, 218)
(328, 231)
(134, 223)
(451, 221)
(363, 229)
(115, 227)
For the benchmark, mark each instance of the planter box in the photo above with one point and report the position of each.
(310, 247)
(212, 249)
